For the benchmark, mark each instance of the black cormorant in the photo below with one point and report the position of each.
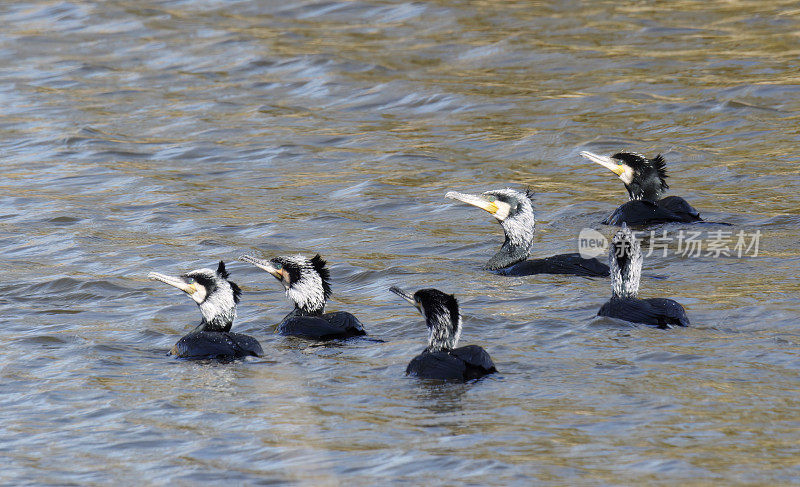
(442, 360)
(308, 287)
(625, 260)
(514, 211)
(645, 180)
(216, 297)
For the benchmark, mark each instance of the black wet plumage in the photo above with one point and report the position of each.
(219, 345)
(643, 212)
(659, 312)
(572, 264)
(327, 326)
(460, 364)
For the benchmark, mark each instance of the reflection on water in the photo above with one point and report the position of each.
(441, 398)
(168, 135)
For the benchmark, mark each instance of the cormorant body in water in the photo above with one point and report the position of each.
(442, 360)
(625, 260)
(308, 287)
(514, 211)
(645, 180)
(216, 297)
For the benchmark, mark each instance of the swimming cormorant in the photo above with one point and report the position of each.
(442, 360)
(514, 211)
(625, 260)
(216, 297)
(645, 180)
(308, 287)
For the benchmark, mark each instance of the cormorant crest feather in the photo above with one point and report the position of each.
(223, 273)
(661, 166)
(529, 193)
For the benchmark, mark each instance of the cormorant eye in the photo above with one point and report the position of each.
(189, 280)
(491, 198)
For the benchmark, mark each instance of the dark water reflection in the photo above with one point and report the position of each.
(141, 136)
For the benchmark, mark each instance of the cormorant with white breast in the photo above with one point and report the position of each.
(625, 259)
(442, 360)
(216, 297)
(645, 180)
(514, 211)
(307, 283)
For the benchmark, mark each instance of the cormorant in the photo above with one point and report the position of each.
(308, 287)
(514, 211)
(645, 180)
(625, 259)
(442, 360)
(216, 297)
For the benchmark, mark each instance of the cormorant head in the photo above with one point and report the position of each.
(625, 261)
(645, 179)
(514, 211)
(307, 281)
(212, 291)
(441, 316)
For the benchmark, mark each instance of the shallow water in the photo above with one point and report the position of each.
(164, 136)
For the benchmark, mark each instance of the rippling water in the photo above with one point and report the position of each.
(140, 136)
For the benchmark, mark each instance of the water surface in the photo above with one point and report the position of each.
(165, 136)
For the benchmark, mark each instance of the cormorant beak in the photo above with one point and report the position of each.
(606, 162)
(406, 296)
(174, 282)
(497, 209)
(265, 265)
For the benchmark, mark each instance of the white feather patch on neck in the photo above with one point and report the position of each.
(219, 305)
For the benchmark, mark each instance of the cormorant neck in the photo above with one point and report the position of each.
(645, 190)
(508, 255)
(219, 310)
(625, 263)
(443, 331)
(220, 322)
(298, 311)
(623, 287)
(519, 238)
